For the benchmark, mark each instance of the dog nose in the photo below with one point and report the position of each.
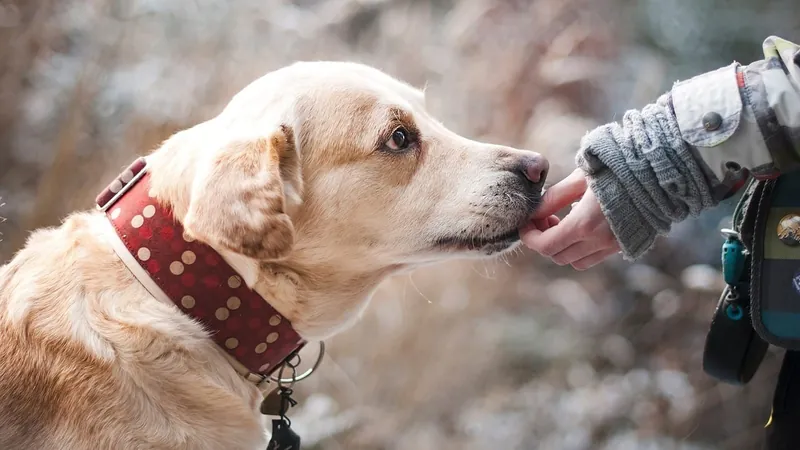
(534, 168)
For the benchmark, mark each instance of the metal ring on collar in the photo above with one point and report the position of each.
(304, 375)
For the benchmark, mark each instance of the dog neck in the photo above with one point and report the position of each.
(322, 299)
(175, 267)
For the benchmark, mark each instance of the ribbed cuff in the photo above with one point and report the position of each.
(644, 176)
(633, 232)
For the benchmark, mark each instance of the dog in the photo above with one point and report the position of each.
(315, 183)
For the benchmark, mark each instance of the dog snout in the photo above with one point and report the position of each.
(534, 168)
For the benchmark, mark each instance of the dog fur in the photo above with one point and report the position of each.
(297, 185)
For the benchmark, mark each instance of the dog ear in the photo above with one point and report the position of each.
(239, 198)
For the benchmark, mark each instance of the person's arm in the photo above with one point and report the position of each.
(683, 154)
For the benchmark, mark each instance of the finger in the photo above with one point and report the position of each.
(594, 259)
(562, 194)
(555, 239)
(553, 221)
(542, 224)
(580, 250)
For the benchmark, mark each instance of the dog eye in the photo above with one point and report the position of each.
(399, 140)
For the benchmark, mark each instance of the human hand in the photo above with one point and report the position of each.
(583, 238)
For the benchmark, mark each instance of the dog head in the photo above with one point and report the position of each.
(337, 174)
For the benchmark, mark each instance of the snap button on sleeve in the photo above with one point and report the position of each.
(712, 121)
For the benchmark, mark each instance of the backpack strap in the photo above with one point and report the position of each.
(733, 350)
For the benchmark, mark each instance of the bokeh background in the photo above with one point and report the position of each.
(514, 355)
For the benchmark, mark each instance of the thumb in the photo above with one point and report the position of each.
(562, 194)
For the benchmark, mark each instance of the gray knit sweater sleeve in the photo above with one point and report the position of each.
(644, 175)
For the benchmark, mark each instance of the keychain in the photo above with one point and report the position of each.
(283, 437)
(733, 257)
(277, 403)
(733, 350)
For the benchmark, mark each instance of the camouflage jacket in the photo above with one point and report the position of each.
(745, 116)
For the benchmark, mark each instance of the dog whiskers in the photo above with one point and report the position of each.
(411, 279)
(2, 219)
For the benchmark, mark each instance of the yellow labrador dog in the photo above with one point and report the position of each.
(315, 183)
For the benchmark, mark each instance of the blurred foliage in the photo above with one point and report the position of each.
(523, 355)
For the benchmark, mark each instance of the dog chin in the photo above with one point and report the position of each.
(500, 247)
(490, 245)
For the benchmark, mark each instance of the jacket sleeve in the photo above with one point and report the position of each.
(745, 116)
(696, 145)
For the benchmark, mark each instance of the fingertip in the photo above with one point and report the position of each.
(579, 267)
(557, 261)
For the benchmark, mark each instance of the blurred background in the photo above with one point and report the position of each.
(508, 355)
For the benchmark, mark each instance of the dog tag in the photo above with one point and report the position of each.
(283, 438)
(272, 403)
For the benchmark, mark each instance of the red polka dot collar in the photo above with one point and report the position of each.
(195, 278)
